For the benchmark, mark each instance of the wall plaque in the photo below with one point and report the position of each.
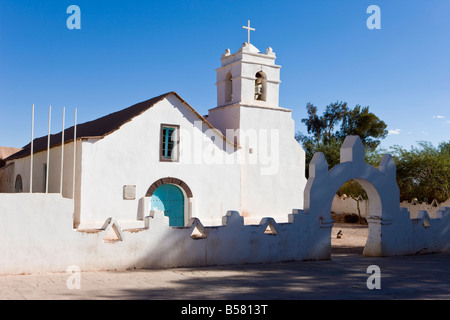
(129, 192)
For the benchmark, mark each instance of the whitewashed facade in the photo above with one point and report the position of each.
(242, 156)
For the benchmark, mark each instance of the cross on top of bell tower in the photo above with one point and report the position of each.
(248, 77)
(248, 30)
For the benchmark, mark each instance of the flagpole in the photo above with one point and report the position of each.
(74, 153)
(31, 158)
(62, 153)
(48, 148)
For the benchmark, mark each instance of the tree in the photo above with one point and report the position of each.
(354, 190)
(364, 124)
(322, 128)
(326, 133)
(423, 172)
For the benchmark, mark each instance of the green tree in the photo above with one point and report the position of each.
(354, 190)
(327, 132)
(322, 128)
(423, 172)
(360, 122)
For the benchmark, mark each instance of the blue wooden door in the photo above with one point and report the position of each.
(170, 199)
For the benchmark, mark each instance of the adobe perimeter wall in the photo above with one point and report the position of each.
(37, 236)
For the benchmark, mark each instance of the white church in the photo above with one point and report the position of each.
(158, 185)
(161, 154)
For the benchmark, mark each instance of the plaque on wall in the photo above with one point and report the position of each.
(129, 192)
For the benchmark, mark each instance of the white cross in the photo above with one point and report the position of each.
(248, 30)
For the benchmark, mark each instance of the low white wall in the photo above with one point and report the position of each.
(419, 233)
(35, 232)
(347, 205)
(415, 208)
(36, 236)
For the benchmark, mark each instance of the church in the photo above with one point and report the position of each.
(158, 185)
(162, 155)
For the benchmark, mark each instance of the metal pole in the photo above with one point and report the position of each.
(48, 148)
(62, 153)
(31, 154)
(74, 153)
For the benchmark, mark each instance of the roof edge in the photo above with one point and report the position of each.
(26, 150)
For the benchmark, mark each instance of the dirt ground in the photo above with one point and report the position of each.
(353, 239)
(343, 277)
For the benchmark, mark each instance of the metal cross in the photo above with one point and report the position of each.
(248, 31)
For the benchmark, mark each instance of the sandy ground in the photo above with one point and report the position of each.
(353, 240)
(343, 277)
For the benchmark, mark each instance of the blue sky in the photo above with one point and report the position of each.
(130, 51)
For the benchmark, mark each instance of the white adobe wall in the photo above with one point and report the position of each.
(348, 206)
(408, 233)
(130, 156)
(35, 233)
(274, 186)
(36, 236)
(414, 209)
(22, 167)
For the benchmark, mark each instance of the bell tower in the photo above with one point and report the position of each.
(248, 77)
(272, 162)
(247, 83)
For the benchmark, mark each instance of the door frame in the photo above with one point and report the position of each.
(187, 193)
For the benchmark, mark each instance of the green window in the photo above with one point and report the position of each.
(169, 143)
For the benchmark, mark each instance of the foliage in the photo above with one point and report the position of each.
(360, 122)
(326, 133)
(354, 190)
(423, 172)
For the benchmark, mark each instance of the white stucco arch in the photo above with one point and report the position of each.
(379, 184)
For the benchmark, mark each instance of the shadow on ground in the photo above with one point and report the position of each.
(342, 277)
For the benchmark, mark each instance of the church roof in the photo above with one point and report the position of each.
(100, 127)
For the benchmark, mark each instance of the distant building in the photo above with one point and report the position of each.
(7, 174)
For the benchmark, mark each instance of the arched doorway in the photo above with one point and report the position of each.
(172, 196)
(379, 184)
(170, 199)
(18, 184)
(349, 211)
